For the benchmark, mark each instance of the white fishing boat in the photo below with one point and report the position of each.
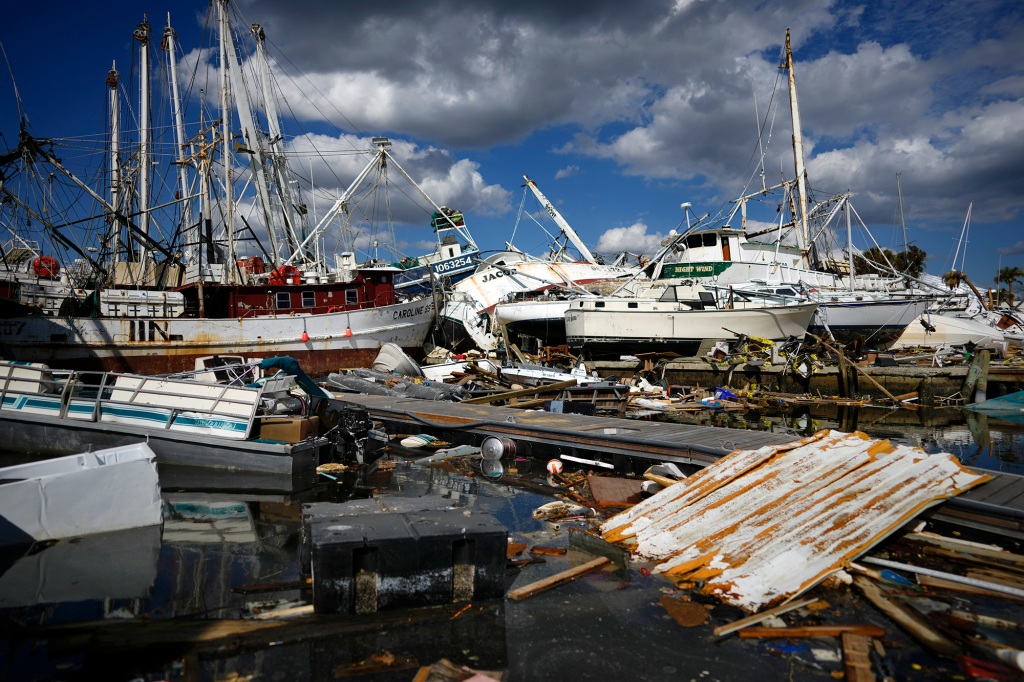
(246, 426)
(82, 494)
(679, 322)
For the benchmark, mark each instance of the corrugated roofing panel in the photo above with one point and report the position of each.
(761, 526)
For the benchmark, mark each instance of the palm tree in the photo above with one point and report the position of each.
(1008, 276)
(953, 278)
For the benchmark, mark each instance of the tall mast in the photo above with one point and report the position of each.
(113, 81)
(798, 147)
(561, 222)
(170, 46)
(253, 145)
(294, 217)
(229, 202)
(142, 32)
(903, 222)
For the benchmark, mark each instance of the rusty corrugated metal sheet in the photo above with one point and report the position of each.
(761, 526)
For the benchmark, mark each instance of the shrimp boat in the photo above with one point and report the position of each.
(147, 283)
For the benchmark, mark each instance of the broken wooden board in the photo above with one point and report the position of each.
(612, 491)
(762, 526)
(558, 579)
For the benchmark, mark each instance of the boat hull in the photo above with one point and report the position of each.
(650, 326)
(89, 492)
(879, 323)
(320, 343)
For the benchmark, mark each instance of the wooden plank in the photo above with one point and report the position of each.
(940, 583)
(907, 619)
(547, 388)
(811, 631)
(728, 628)
(558, 579)
(857, 657)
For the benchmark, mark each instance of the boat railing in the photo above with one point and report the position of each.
(131, 399)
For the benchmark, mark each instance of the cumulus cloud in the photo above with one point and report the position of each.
(633, 239)
(567, 172)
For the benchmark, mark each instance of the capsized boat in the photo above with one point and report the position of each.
(1010, 404)
(470, 304)
(82, 494)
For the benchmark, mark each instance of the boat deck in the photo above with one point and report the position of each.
(631, 445)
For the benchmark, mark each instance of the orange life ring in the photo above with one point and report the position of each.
(334, 309)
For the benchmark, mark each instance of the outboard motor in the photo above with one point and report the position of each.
(351, 432)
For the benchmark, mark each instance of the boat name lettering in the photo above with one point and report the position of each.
(413, 312)
(493, 276)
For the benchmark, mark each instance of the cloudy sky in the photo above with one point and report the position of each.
(620, 111)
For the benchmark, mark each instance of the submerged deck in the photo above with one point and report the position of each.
(631, 445)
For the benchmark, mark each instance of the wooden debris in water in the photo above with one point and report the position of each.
(761, 526)
(558, 579)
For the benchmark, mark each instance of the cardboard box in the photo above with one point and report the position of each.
(288, 429)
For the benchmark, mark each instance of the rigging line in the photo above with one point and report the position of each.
(22, 118)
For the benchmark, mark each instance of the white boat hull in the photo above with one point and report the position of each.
(878, 322)
(949, 330)
(623, 326)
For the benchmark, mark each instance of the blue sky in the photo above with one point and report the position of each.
(619, 111)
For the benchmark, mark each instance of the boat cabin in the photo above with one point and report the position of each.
(708, 253)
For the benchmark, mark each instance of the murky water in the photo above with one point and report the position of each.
(224, 554)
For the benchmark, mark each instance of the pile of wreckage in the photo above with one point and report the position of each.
(773, 531)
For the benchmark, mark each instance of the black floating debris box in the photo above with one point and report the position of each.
(363, 563)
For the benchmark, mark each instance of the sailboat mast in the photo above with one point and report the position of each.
(903, 222)
(798, 147)
(114, 238)
(142, 33)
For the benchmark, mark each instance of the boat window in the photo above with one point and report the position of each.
(710, 239)
(283, 300)
(694, 240)
(669, 295)
(351, 297)
(308, 299)
(632, 304)
(598, 304)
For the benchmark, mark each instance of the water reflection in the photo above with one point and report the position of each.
(220, 556)
(976, 439)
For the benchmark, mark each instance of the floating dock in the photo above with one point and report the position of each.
(627, 445)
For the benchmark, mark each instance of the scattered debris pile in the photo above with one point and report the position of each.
(762, 526)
